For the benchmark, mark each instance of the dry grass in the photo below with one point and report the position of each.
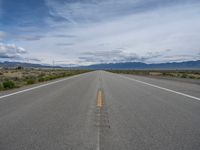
(14, 78)
(190, 74)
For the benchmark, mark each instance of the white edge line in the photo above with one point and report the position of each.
(159, 87)
(39, 86)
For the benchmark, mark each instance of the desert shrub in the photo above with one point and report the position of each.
(164, 74)
(41, 79)
(41, 75)
(8, 84)
(51, 77)
(30, 81)
(191, 77)
(63, 74)
(47, 78)
(15, 78)
(171, 74)
(198, 73)
(19, 68)
(1, 86)
(184, 75)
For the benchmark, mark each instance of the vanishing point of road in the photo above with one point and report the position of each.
(102, 111)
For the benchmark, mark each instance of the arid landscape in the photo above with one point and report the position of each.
(18, 77)
(189, 74)
(99, 75)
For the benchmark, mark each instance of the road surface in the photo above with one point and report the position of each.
(102, 111)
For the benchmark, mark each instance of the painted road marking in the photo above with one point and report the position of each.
(99, 99)
(99, 105)
(39, 86)
(159, 87)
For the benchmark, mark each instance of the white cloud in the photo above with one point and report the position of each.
(11, 51)
(90, 11)
(107, 25)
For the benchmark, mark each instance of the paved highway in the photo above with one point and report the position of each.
(102, 111)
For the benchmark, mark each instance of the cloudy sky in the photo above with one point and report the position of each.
(83, 32)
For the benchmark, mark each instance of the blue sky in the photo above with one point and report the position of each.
(83, 32)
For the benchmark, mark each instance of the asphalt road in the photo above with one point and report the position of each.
(102, 111)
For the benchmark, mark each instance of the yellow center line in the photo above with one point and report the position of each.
(99, 99)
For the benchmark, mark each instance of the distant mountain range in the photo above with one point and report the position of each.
(117, 66)
(140, 65)
(8, 64)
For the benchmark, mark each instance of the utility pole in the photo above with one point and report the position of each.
(53, 64)
(69, 65)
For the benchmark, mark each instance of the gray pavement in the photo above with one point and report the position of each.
(134, 116)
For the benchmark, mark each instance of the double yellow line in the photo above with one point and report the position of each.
(99, 99)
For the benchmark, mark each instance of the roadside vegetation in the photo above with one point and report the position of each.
(18, 77)
(190, 74)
